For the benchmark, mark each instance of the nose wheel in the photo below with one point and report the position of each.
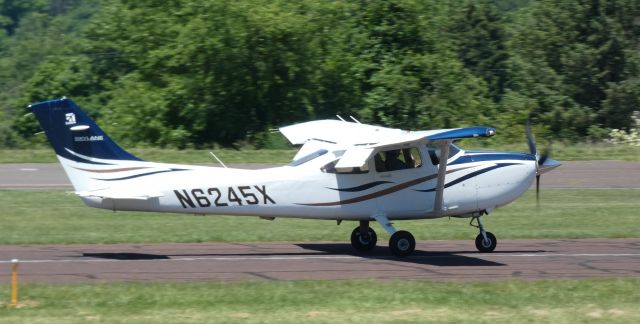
(485, 241)
(487, 244)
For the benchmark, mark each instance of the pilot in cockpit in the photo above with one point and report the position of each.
(392, 161)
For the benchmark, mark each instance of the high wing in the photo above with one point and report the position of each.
(335, 131)
(342, 132)
(360, 140)
(359, 159)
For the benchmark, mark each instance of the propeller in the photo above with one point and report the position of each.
(543, 162)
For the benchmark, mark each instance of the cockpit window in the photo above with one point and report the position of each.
(400, 159)
(434, 152)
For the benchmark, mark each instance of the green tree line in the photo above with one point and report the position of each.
(200, 73)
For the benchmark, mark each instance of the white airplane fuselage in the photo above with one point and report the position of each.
(304, 191)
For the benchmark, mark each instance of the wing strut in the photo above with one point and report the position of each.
(442, 171)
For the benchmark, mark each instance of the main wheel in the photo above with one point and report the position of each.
(402, 243)
(487, 245)
(364, 242)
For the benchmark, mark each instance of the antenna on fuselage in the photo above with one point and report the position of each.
(220, 161)
(340, 117)
(354, 119)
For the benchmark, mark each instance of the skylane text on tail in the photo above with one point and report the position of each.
(344, 171)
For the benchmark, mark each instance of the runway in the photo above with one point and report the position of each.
(433, 260)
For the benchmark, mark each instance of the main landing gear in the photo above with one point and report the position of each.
(401, 243)
(363, 237)
(485, 241)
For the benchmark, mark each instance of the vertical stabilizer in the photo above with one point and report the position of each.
(74, 135)
(84, 150)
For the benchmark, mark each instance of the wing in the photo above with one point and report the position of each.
(337, 132)
(357, 156)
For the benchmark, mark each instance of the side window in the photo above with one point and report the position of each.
(400, 159)
(331, 168)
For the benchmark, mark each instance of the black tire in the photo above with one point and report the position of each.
(363, 243)
(402, 243)
(486, 246)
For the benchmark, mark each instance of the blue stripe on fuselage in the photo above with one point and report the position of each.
(478, 156)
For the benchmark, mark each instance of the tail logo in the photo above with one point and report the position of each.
(70, 119)
(88, 138)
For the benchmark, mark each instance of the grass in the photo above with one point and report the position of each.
(555, 301)
(57, 217)
(561, 152)
(43, 155)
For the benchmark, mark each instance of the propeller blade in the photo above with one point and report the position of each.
(545, 155)
(530, 139)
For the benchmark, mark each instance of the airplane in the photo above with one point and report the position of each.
(343, 171)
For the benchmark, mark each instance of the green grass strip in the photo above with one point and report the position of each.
(50, 217)
(550, 301)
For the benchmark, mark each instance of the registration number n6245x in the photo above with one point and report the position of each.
(223, 197)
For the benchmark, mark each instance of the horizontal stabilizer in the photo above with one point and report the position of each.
(110, 193)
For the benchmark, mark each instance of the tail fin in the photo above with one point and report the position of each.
(74, 136)
(83, 149)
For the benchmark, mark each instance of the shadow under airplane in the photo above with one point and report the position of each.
(441, 259)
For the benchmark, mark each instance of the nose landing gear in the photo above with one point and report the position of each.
(485, 241)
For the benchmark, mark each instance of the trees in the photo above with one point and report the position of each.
(181, 73)
(480, 39)
(575, 56)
